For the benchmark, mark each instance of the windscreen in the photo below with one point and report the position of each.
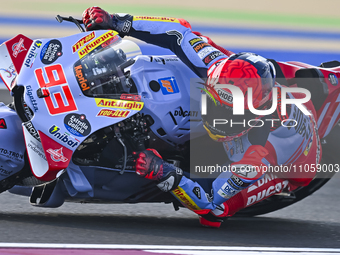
(101, 72)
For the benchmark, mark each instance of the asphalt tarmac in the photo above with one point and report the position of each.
(313, 222)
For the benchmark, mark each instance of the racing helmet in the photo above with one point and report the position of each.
(243, 70)
(12, 143)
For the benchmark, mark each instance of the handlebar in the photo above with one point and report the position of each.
(71, 19)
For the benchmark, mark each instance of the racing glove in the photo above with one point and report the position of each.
(150, 165)
(95, 18)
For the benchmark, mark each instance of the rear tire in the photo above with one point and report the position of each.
(330, 148)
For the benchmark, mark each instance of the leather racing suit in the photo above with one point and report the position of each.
(279, 145)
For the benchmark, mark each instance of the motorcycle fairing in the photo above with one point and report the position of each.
(63, 115)
(12, 55)
(174, 107)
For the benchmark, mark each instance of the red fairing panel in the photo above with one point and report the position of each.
(57, 156)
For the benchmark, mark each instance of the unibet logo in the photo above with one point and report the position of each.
(54, 130)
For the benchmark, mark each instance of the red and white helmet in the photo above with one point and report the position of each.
(244, 70)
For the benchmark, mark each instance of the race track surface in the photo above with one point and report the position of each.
(304, 30)
(313, 222)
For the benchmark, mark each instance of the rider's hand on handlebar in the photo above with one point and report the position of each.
(95, 18)
(149, 164)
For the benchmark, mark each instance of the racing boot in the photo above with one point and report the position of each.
(150, 165)
(214, 218)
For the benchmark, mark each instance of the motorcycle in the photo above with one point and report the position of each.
(84, 103)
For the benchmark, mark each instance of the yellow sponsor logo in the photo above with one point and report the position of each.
(183, 197)
(82, 42)
(97, 42)
(164, 19)
(195, 40)
(121, 104)
(113, 113)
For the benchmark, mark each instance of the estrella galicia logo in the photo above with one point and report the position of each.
(51, 51)
(77, 124)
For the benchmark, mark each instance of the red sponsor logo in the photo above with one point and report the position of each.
(18, 47)
(3, 124)
(130, 97)
(82, 42)
(211, 57)
(113, 113)
(108, 36)
(57, 155)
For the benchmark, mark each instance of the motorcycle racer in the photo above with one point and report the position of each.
(271, 145)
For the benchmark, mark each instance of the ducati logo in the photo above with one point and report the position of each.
(3, 124)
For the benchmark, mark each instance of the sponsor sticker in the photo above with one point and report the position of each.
(333, 79)
(197, 192)
(62, 137)
(32, 54)
(130, 97)
(205, 52)
(29, 93)
(126, 26)
(97, 42)
(211, 57)
(278, 187)
(81, 42)
(51, 51)
(185, 199)
(226, 191)
(183, 113)
(18, 47)
(78, 71)
(194, 41)
(168, 85)
(121, 104)
(113, 113)
(3, 124)
(200, 46)
(11, 154)
(5, 173)
(77, 124)
(57, 155)
(150, 18)
(225, 96)
(31, 130)
(9, 72)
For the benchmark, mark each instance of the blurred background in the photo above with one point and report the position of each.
(303, 30)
